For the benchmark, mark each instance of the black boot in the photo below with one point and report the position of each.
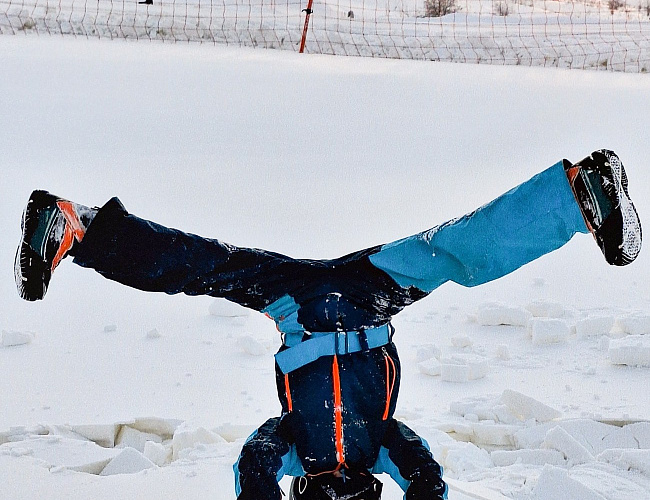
(599, 184)
(50, 228)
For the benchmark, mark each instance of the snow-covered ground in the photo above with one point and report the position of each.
(108, 392)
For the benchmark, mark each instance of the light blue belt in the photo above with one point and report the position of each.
(302, 352)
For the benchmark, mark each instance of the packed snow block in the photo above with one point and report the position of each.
(232, 432)
(525, 408)
(555, 483)
(103, 435)
(158, 453)
(57, 451)
(431, 367)
(463, 368)
(427, 351)
(454, 372)
(472, 489)
(594, 326)
(479, 367)
(491, 434)
(189, 438)
(11, 338)
(129, 461)
(153, 334)
(461, 432)
(640, 432)
(548, 330)
(633, 350)
(559, 439)
(128, 437)
(618, 437)
(635, 324)
(465, 458)
(223, 308)
(503, 352)
(594, 436)
(163, 427)
(462, 342)
(627, 459)
(505, 458)
(251, 346)
(21, 433)
(499, 314)
(546, 309)
(484, 408)
(478, 405)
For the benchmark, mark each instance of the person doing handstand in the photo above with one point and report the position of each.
(337, 371)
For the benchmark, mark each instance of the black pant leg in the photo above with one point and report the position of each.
(414, 462)
(260, 461)
(148, 256)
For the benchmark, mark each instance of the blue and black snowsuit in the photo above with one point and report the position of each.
(338, 371)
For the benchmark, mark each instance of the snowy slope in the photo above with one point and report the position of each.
(312, 156)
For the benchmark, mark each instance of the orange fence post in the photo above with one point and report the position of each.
(308, 12)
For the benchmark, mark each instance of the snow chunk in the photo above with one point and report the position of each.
(493, 314)
(129, 461)
(559, 439)
(251, 346)
(129, 437)
(11, 338)
(554, 483)
(526, 408)
(462, 341)
(185, 438)
(548, 330)
(465, 457)
(57, 451)
(505, 458)
(232, 432)
(485, 408)
(223, 308)
(427, 351)
(463, 368)
(493, 434)
(545, 309)
(594, 326)
(627, 459)
(503, 352)
(430, 367)
(633, 350)
(103, 435)
(163, 427)
(595, 436)
(635, 324)
(640, 432)
(153, 334)
(158, 453)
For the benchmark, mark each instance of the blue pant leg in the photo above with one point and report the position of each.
(528, 221)
(265, 458)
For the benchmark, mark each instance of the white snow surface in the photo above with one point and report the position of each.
(313, 156)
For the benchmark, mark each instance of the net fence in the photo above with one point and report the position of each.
(596, 34)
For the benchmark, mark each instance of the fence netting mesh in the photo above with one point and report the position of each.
(609, 34)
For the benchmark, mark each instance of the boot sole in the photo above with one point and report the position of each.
(31, 272)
